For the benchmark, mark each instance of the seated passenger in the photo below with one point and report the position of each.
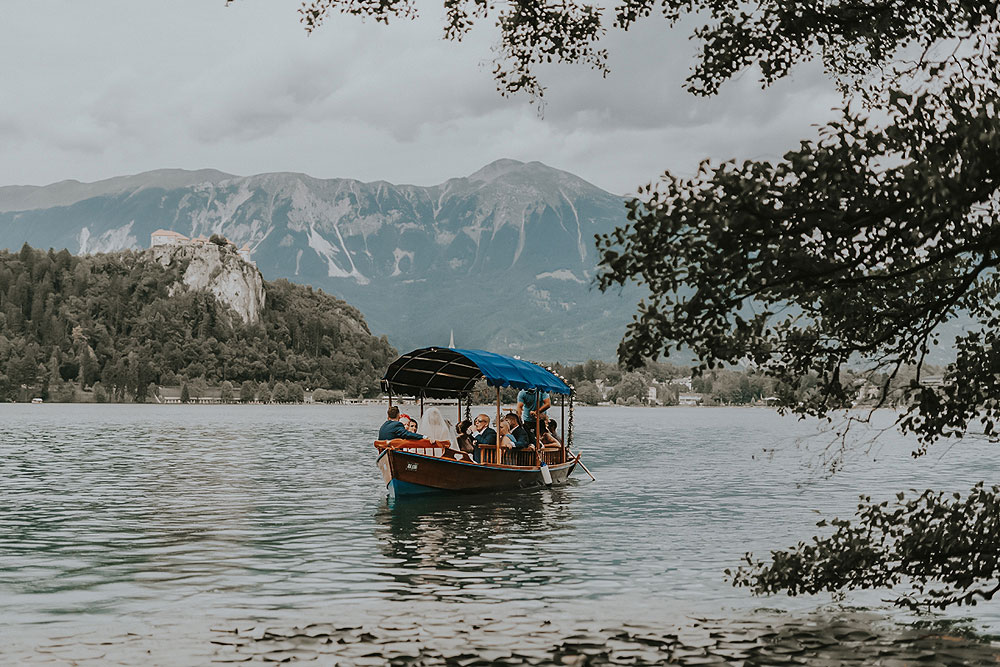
(439, 429)
(393, 429)
(411, 424)
(506, 441)
(484, 436)
(549, 433)
(465, 441)
(517, 431)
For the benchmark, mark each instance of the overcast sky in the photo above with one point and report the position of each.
(103, 88)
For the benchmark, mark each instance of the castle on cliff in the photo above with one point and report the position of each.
(168, 237)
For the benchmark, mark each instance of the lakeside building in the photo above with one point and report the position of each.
(167, 237)
(684, 382)
(603, 387)
(690, 399)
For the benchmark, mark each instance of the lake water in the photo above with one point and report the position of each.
(189, 534)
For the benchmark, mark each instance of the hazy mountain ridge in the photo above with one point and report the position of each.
(504, 256)
(66, 193)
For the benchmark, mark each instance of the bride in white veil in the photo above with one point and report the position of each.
(436, 427)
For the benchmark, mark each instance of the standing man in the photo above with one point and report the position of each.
(531, 403)
(483, 435)
(393, 428)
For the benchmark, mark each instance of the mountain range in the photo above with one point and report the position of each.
(503, 259)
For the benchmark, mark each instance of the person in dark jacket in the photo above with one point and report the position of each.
(518, 433)
(393, 428)
(484, 436)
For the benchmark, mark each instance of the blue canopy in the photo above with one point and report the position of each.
(441, 372)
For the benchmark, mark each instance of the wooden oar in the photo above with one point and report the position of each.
(578, 455)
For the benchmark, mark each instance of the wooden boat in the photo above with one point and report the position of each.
(411, 467)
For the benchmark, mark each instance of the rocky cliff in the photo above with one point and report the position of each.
(219, 270)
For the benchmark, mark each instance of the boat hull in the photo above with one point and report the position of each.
(406, 474)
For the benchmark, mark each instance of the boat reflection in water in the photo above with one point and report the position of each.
(485, 547)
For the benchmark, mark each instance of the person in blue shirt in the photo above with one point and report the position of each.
(393, 428)
(531, 403)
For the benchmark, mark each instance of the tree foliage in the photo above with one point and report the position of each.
(113, 318)
(588, 393)
(942, 545)
(852, 37)
(248, 390)
(633, 385)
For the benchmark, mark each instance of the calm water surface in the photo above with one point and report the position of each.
(145, 529)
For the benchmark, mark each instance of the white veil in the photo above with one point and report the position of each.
(436, 427)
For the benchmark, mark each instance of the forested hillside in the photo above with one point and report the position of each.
(123, 320)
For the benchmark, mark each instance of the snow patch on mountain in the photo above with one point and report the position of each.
(83, 238)
(119, 238)
(307, 208)
(222, 209)
(397, 255)
(327, 251)
(225, 210)
(561, 274)
(520, 237)
(579, 230)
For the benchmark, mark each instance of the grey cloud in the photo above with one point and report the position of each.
(243, 89)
